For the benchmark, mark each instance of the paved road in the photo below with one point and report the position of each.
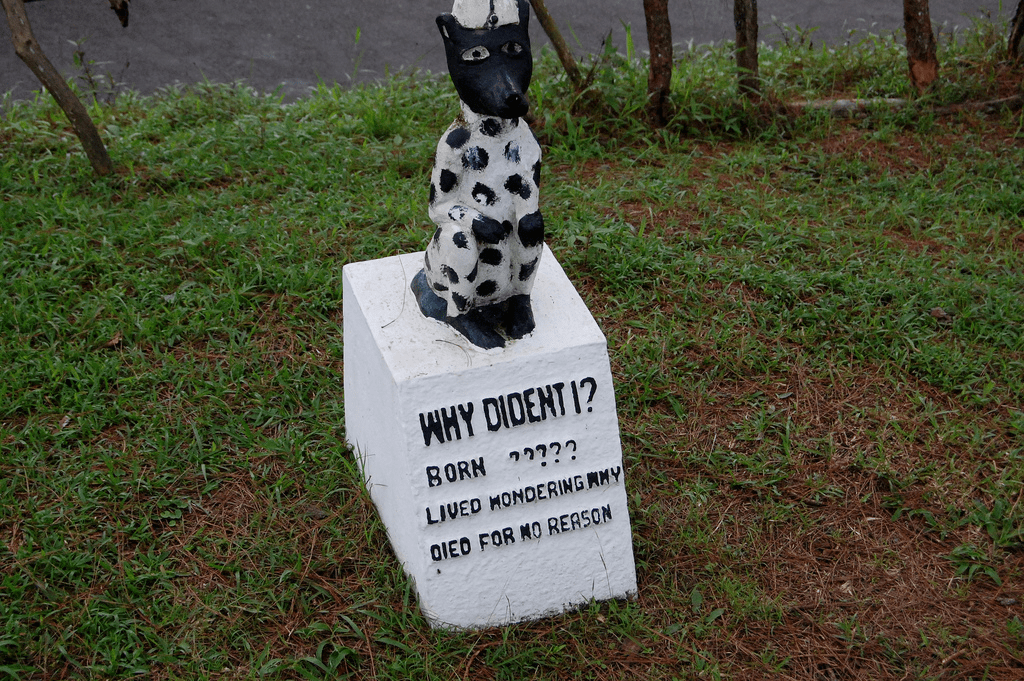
(292, 45)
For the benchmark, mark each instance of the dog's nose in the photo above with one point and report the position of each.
(517, 103)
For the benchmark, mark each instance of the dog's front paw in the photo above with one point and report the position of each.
(518, 319)
(479, 328)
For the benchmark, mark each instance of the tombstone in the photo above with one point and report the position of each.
(483, 419)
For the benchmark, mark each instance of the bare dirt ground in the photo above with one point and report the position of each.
(314, 41)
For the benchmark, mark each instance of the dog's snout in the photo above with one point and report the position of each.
(515, 104)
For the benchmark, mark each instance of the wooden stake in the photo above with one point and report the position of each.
(26, 47)
(745, 16)
(659, 39)
(917, 23)
(561, 49)
(1016, 33)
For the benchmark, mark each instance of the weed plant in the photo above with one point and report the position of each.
(816, 330)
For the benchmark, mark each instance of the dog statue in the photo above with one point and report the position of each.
(479, 267)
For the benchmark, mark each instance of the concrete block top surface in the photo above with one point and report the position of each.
(415, 346)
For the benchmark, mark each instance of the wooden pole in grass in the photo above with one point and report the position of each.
(924, 64)
(659, 40)
(745, 16)
(28, 49)
(558, 42)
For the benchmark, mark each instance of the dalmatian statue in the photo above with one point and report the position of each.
(479, 267)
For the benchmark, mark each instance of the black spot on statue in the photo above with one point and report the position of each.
(438, 286)
(457, 138)
(475, 158)
(526, 271)
(489, 230)
(491, 127)
(437, 236)
(471, 277)
(433, 193)
(487, 288)
(484, 194)
(512, 152)
(448, 180)
(460, 240)
(491, 256)
(426, 260)
(452, 275)
(515, 185)
(460, 302)
(531, 229)
(536, 174)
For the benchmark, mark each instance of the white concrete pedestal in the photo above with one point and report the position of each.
(497, 473)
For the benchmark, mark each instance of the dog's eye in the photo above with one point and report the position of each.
(474, 54)
(513, 48)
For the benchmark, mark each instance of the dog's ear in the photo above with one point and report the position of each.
(524, 13)
(446, 23)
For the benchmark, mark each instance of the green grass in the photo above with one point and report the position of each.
(816, 330)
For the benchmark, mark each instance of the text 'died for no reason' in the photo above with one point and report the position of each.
(507, 536)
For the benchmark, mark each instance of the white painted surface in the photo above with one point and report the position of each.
(475, 13)
(401, 367)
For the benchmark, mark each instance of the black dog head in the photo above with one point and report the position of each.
(490, 67)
